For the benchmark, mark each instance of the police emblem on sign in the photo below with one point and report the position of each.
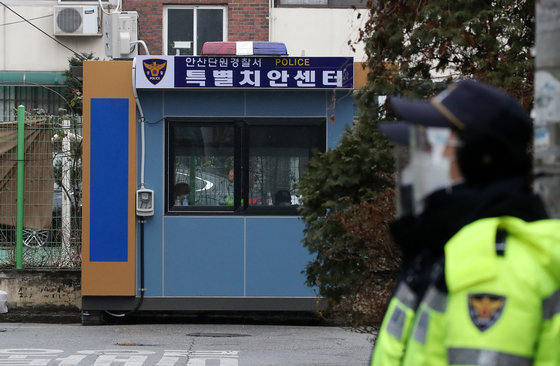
(485, 309)
(154, 69)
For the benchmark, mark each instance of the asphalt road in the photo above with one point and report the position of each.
(182, 344)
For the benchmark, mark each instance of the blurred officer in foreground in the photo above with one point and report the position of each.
(481, 270)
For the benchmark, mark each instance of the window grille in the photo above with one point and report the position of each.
(39, 99)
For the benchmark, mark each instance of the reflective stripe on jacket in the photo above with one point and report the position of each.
(424, 347)
(548, 352)
(395, 329)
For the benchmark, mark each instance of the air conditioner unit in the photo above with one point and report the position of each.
(120, 31)
(77, 21)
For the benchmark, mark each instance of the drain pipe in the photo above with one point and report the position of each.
(142, 182)
(142, 123)
(142, 288)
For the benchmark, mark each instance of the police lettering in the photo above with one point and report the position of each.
(285, 61)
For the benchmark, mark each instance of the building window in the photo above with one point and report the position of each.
(186, 28)
(322, 3)
(246, 166)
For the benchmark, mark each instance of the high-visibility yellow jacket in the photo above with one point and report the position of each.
(424, 346)
(503, 305)
(395, 329)
(408, 330)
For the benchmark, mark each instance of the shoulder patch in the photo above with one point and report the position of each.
(485, 309)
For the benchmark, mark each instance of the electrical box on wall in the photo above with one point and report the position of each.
(120, 32)
(145, 202)
(77, 21)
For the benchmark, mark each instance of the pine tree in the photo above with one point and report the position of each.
(414, 48)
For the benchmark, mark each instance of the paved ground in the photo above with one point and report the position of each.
(182, 344)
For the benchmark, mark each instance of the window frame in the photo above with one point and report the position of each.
(241, 164)
(195, 8)
(234, 123)
(352, 4)
(93, 2)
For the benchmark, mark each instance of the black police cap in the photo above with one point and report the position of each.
(470, 107)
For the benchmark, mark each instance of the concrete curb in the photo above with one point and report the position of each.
(30, 316)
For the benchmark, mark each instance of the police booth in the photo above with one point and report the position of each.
(190, 167)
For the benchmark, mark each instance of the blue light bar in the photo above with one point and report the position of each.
(270, 48)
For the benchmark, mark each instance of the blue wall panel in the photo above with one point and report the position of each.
(276, 257)
(204, 103)
(343, 111)
(152, 105)
(203, 256)
(109, 180)
(286, 103)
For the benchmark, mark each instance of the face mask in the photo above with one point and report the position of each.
(432, 173)
(427, 168)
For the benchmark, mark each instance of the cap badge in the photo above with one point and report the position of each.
(444, 94)
(437, 103)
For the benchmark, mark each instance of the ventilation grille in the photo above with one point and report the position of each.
(77, 21)
(69, 20)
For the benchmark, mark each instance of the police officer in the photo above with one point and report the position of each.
(481, 268)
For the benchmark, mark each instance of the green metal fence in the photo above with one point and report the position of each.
(40, 191)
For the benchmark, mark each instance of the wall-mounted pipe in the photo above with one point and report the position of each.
(143, 45)
(141, 220)
(142, 123)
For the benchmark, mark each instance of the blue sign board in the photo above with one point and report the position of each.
(246, 72)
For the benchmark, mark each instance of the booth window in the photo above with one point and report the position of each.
(200, 160)
(186, 28)
(247, 167)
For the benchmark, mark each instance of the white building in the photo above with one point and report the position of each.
(35, 53)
